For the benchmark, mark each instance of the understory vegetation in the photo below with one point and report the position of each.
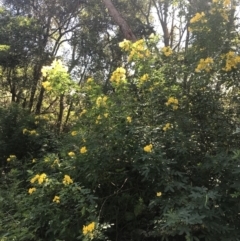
(108, 138)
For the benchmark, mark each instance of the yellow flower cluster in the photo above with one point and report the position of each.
(148, 148)
(71, 154)
(204, 64)
(232, 60)
(33, 132)
(226, 2)
(129, 119)
(167, 127)
(119, 76)
(83, 112)
(74, 133)
(158, 194)
(101, 101)
(47, 85)
(173, 102)
(40, 178)
(29, 132)
(11, 158)
(97, 122)
(88, 230)
(167, 51)
(137, 49)
(198, 17)
(89, 80)
(56, 64)
(125, 45)
(144, 78)
(31, 190)
(56, 199)
(67, 180)
(83, 150)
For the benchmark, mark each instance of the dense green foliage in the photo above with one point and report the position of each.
(122, 140)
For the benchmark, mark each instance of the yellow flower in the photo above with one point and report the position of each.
(105, 115)
(89, 228)
(33, 160)
(11, 158)
(139, 50)
(34, 179)
(173, 102)
(226, 2)
(129, 119)
(159, 194)
(46, 85)
(139, 45)
(197, 17)
(31, 190)
(42, 178)
(33, 132)
(56, 199)
(119, 76)
(204, 64)
(232, 60)
(67, 180)
(167, 51)
(167, 126)
(175, 107)
(125, 45)
(25, 131)
(144, 78)
(74, 133)
(148, 148)
(71, 154)
(83, 150)
(46, 159)
(101, 101)
(89, 80)
(83, 112)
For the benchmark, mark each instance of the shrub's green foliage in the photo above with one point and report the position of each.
(23, 135)
(155, 158)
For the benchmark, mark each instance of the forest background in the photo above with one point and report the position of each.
(119, 120)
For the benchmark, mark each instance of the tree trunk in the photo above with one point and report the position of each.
(40, 100)
(60, 114)
(119, 20)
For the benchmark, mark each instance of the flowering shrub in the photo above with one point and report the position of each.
(157, 157)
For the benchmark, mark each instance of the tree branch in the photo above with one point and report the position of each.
(119, 20)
